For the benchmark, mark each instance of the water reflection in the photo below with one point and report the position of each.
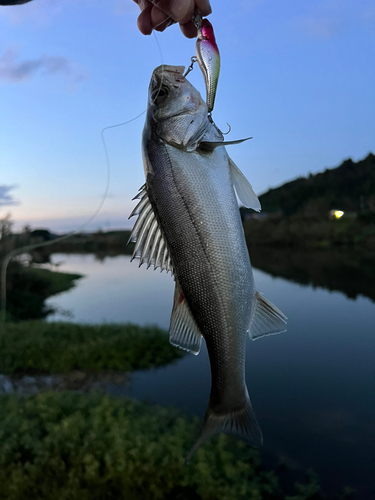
(351, 271)
(312, 387)
(114, 290)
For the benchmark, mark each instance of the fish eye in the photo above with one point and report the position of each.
(159, 94)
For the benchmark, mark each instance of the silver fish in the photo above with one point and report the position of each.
(189, 223)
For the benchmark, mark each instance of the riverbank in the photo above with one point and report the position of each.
(79, 447)
(62, 437)
(28, 288)
(40, 347)
(301, 232)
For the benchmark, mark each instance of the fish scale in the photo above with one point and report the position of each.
(193, 210)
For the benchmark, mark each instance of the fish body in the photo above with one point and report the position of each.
(189, 223)
(208, 57)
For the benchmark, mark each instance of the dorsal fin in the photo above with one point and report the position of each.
(150, 245)
(183, 331)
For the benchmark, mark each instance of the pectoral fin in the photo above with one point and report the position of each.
(150, 245)
(243, 188)
(211, 145)
(267, 319)
(183, 331)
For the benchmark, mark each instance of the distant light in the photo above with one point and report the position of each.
(338, 214)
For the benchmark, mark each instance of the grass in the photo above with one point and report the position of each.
(74, 446)
(41, 347)
(29, 287)
(57, 281)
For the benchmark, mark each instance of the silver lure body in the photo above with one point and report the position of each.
(208, 57)
(189, 223)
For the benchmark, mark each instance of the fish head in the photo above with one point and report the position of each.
(176, 108)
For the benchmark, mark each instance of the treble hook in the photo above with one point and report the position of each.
(217, 128)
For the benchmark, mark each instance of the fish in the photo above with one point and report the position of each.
(208, 57)
(188, 223)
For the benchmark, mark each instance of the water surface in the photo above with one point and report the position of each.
(312, 388)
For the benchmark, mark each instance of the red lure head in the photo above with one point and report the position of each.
(207, 30)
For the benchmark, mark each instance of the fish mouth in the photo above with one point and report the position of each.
(167, 75)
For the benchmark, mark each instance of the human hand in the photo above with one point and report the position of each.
(159, 14)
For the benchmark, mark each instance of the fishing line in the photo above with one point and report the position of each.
(27, 248)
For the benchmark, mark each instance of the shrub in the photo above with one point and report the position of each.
(78, 447)
(38, 346)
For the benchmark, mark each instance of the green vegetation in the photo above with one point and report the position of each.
(79, 447)
(297, 213)
(40, 347)
(99, 243)
(29, 287)
(300, 231)
(349, 187)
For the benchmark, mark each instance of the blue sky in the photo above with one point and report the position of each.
(297, 76)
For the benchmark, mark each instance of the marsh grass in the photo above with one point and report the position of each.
(41, 347)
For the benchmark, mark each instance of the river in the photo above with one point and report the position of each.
(312, 387)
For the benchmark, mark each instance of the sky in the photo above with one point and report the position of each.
(299, 77)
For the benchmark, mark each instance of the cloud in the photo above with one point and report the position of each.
(7, 199)
(38, 11)
(19, 71)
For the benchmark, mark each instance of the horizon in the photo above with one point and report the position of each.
(298, 78)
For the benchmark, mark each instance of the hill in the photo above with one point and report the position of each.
(349, 187)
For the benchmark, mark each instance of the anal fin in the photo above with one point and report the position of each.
(183, 331)
(267, 319)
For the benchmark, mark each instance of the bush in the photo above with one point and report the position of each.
(41, 347)
(70, 446)
(29, 287)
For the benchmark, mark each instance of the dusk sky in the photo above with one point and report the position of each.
(297, 76)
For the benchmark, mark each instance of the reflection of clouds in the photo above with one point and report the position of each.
(18, 71)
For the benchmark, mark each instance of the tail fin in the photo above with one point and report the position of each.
(241, 423)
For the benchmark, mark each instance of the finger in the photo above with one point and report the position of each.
(144, 21)
(142, 3)
(189, 30)
(204, 6)
(179, 10)
(160, 20)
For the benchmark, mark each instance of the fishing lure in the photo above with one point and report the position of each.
(208, 57)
